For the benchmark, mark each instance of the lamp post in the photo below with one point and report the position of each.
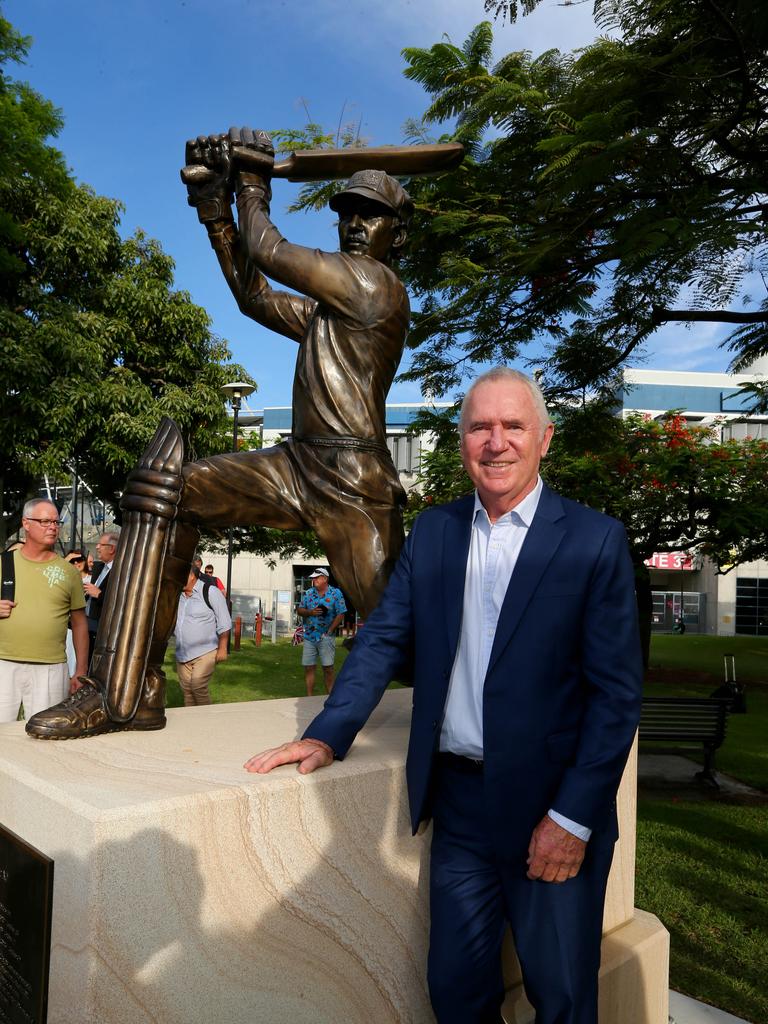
(234, 393)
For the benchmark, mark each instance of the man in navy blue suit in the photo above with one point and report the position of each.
(516, 608)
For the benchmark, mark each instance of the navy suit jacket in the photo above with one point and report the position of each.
(561, 698)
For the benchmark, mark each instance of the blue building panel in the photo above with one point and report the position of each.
(401, 416)
(688, 397)
(737, 401)
(278, 418)
(398, 417)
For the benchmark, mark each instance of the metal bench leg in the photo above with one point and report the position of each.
(707, 774)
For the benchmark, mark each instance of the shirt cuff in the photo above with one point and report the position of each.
(580, 831)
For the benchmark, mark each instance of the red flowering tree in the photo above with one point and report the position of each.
(675, 486)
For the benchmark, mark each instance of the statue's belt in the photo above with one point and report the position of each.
(362, 444)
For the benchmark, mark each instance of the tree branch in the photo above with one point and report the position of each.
(659, 315)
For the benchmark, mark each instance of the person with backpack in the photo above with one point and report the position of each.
(202, 630)
(40, 594)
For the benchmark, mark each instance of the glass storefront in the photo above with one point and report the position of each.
(666, 611)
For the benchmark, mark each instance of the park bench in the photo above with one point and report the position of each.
(686, 721)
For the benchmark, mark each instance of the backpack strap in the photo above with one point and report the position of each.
(8, 586)
(206, 591)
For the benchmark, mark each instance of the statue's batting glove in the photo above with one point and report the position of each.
(207, 177)
(211, 197)
(254, 156)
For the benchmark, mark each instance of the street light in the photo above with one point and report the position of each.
(234, 393)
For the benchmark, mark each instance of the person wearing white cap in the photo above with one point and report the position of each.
(322, 607)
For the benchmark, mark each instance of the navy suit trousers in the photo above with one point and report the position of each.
(475, 892)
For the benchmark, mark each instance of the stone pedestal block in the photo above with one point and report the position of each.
(187, 891)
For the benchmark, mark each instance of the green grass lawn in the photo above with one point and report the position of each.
(701, 868)
(702, 864)
(253, 673)
(705, 654)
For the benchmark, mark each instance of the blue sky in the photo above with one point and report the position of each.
(135, 79)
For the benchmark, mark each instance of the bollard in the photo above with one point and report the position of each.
(257, 630)
(238, 631)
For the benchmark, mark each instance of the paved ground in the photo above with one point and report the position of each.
(671, 771)
(684, 1010)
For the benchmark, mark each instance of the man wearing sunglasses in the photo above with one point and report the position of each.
(47, 594)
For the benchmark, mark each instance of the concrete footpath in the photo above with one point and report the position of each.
(672, 772)
(684, 1010)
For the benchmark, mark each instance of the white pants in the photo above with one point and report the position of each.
(35, 686)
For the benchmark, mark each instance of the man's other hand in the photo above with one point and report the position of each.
(74, 685)
(6, 607)
(306, 754)
(554, 854)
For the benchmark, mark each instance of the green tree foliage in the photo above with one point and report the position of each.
(602, 189)
(96, 344)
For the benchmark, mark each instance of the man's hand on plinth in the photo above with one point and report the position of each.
(307, 755)
(554, 853)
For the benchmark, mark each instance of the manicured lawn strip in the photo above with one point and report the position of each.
(705, 654)
(253, 673)
(702, 868)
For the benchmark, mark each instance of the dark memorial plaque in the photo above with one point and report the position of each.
(26, 903)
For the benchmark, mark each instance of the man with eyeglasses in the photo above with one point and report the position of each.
(47, 595)
(96, 589)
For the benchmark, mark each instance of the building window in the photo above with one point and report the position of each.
(405, 451)
(752, 606)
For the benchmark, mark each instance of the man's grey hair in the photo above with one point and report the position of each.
(32, 504)
(113, 536)
(506, 373)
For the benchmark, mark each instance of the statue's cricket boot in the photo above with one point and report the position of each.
(85, 713)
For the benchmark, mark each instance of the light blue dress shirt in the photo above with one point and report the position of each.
(493, 552)
(199, 627)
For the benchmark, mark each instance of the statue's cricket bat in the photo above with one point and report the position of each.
(325, 164)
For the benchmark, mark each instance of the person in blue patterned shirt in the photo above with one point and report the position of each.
(322, 608)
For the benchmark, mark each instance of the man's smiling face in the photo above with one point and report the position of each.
(503, 442)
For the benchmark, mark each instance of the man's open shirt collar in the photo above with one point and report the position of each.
(522, 512)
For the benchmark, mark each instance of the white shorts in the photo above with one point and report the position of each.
(35, 686)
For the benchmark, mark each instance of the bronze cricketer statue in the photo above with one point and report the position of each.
(334, 474)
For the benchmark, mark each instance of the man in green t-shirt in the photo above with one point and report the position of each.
(33, 626)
